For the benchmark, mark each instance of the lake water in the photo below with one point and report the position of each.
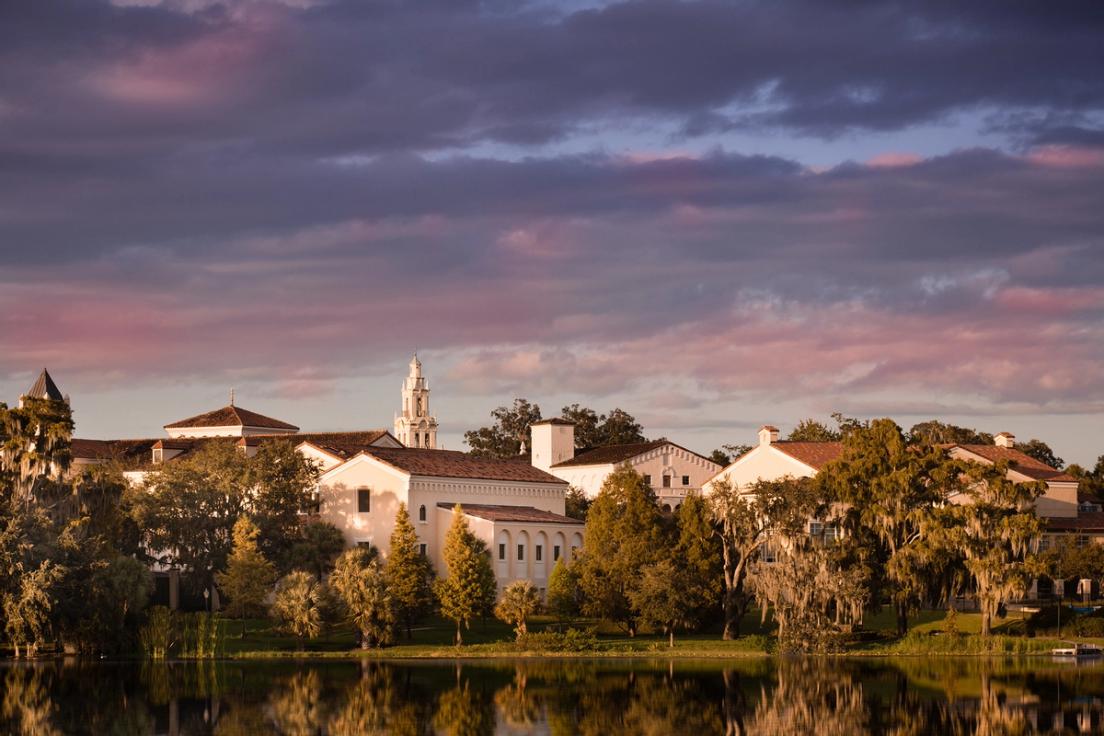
(555, 697)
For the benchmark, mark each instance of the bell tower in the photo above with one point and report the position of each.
(415, 427)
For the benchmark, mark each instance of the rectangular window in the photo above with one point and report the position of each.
(502, 551)
(538, 552)
(555, 552)
(666, 481)
(364, 500)
(686, 480)
(647, 480)
(521, 552)
(422, 549)
(365, 544)
(1082, 541)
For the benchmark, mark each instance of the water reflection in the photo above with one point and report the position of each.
(982, 697)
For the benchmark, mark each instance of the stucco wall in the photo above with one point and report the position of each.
(763, 463)
(666, 460)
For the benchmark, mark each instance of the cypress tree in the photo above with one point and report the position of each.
(249, 576)
(470, 589)
(409, 573)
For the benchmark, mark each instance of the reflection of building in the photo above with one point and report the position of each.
(672, 471)
(515, 508)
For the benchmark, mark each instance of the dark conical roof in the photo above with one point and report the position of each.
(45, 388)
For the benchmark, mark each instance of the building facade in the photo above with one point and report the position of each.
(672, 471)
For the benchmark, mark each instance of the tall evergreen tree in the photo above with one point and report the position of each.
(409, 573)
(624, 533)
(470, 588)
(248, 577)
(699, 558)
(562, 594)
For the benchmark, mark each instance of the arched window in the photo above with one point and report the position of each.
(421, 513)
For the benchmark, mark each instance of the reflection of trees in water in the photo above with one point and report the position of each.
(464, 710)
(811, 696)
(911, 697)
(518, 707)
(296, 707)
(375, 705)
(28, 705)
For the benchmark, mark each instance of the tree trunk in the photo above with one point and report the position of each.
(365, 640)
(902, 619)
(459, 640)
(632, 629)
(671, 637)
(243, 627)
(409, 631)
(986, 621)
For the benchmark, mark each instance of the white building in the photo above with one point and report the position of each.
(671, 470)
(773, 459)
(515, 508)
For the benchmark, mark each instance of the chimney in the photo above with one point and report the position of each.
(768, 434)
(1005, 439)
(551, 441)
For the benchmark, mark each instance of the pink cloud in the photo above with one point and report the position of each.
(1066, 157)
(894, 160)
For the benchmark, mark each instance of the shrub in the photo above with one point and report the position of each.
(1089, 626)
(1047, 617)
(156, 636)
(572, 640)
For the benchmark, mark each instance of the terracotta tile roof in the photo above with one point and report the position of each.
(1018, 461)
(525, 514)
(614, 454)
(1086, 521)
(138, 455)
(454, 464)
(45, 388)
(814, 454)
(341, 444)
(231, 416)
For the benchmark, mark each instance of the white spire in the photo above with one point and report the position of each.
(415, 427)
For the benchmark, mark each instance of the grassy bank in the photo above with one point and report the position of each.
(930, 634)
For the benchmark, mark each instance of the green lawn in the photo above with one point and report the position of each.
(434, 638)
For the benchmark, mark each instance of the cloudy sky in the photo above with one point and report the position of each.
(713, 214)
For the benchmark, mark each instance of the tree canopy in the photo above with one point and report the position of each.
(508, 436)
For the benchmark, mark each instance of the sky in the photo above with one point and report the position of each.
(714, 215)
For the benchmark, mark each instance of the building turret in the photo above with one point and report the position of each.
(415, 427)
(44, 388)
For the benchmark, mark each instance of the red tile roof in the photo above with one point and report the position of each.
(1018, 461)
(1085, 521)
(454, 464)
(814, 454)
(615, 454)
(231, 416)
(137, 454)
(523, 514)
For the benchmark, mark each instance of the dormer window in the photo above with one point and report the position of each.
(158, 455)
